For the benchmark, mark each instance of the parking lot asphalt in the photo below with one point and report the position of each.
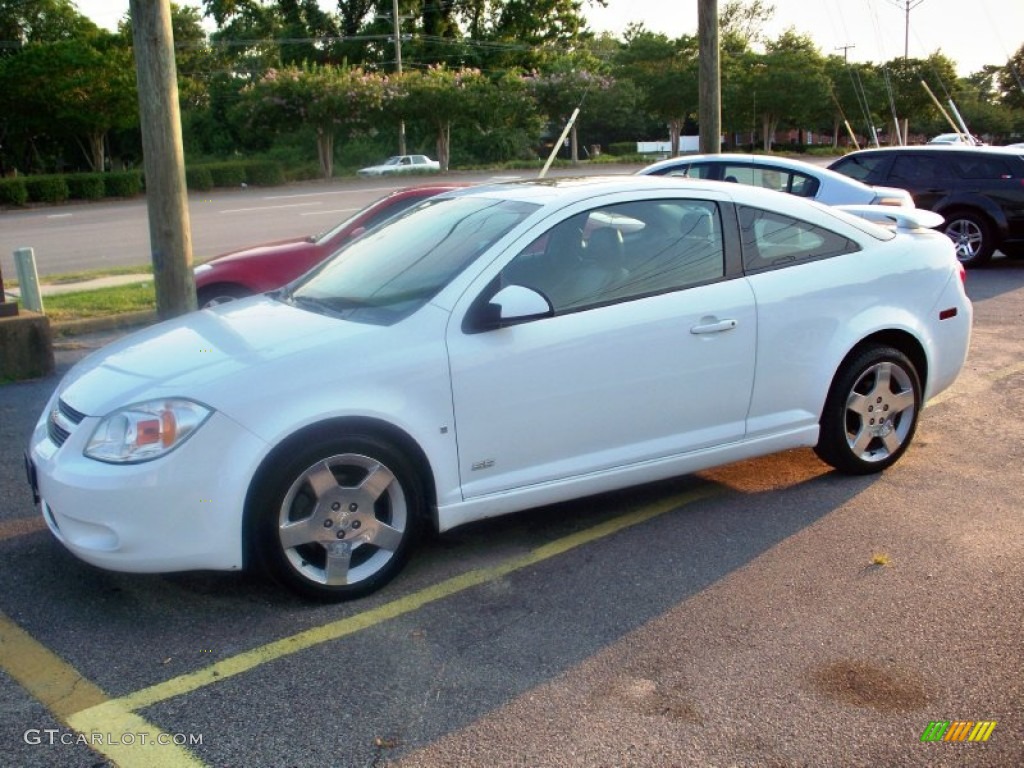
(769, 613)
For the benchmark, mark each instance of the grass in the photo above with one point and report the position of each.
(101, 302)
(77, 277)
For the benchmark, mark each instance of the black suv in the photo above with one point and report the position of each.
(979, 191)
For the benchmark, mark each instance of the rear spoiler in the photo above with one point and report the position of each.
(902, 219)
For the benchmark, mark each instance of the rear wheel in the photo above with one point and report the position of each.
(972, 237)
(337, 519)
(871, 412)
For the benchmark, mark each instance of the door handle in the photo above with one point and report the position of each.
(714, 326)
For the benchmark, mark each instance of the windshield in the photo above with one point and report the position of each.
(396, 268)
(327, 234)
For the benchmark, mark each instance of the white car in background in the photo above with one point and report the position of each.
(497, 348)
(402, 164)
(782, 174)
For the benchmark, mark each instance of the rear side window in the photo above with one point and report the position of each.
(772, 240)
(861, 167)
(791, 182)
(919, 168)
(689, 170)
(978, 166)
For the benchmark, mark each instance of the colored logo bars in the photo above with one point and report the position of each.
(958, 730)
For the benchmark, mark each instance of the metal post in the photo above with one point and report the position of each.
(28, 279)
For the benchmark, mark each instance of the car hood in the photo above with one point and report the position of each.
(213, 356)
(276, 249)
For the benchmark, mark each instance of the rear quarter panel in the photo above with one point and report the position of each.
(811, 315)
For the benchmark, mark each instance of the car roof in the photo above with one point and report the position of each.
(738, 157)
(767, 161)
(932, 148)
(563, 191)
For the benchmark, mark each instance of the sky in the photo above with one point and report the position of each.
(972, 33)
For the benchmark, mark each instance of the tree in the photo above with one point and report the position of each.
(1011, 81)
(77, 89)
(909, 101)
(333, 100)
(40, 21)
(439, 96)
(559, 92)
(790, 86)
(667, 72)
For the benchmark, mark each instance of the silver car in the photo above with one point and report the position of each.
(794, 177)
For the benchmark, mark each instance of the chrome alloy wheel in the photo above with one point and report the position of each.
(967, 238)
(880, 412)
(343, 519)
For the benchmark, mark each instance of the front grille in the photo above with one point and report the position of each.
(75, 417)
(63, 419)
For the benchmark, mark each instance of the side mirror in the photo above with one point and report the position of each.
(512, 305)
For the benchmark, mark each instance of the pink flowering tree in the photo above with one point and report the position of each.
(335, 101)
(558, 93)
(439, 97)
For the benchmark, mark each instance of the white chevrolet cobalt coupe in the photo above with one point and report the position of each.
(497, 348)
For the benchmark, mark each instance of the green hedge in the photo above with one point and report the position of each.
(13, 192)
(123, 183)
(199, 178)
(47, 189)
(86, 186)
(227, 174)
(264, 173)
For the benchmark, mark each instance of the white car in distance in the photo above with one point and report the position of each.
(402, 164)
(493, 349)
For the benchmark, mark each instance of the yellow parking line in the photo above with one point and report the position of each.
(1009, 370)
(309, 638)
(127, 740)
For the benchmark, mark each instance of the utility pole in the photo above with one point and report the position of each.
(170, 235)
(845, 49)
(709, 117)
(398, 63)
(908, 6)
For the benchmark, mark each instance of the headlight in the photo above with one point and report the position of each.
(145, 431)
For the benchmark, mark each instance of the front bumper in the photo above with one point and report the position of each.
(180, 512)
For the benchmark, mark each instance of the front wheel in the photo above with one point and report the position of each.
(871, 412)
(972, 237)
(212, 295)
(337, 519)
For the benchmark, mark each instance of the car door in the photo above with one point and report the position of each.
(927, 177)
(649, 351)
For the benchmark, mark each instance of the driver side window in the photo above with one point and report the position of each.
(622, 252)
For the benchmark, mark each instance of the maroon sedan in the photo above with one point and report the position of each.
(266, 267)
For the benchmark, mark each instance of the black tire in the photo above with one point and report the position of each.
(221, 293)
(972, 237)
(337, 518)
(871, 411)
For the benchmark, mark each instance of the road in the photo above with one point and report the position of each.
(86, 236)
(768, 613)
